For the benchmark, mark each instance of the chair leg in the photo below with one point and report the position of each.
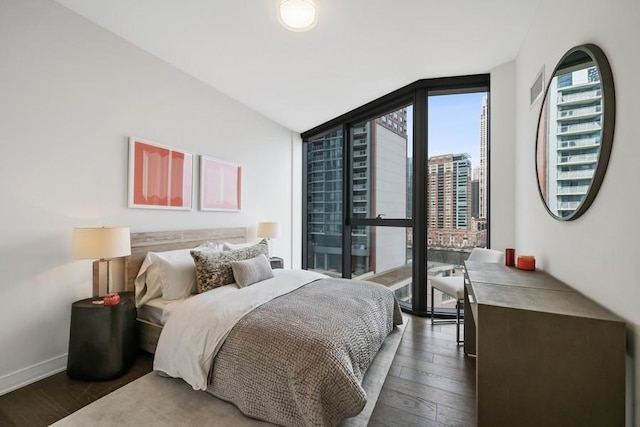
(458, 340)
(458, 322)
(432, 308)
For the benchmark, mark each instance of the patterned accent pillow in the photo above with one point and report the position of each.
(213, 269)
(251, 271)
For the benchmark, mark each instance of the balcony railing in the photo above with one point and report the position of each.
(576, 189)
(592, 94)
(576, 174)
(579, 158)
(579, 127)
(568, 206)
(580, 142)
(583, 111)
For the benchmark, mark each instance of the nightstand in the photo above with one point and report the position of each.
(276, 262)
(102, 340)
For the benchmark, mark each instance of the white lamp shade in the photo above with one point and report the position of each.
(268, 229)
(297, 15)
(100, 243)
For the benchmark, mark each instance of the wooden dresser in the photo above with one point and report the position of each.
(546, 354)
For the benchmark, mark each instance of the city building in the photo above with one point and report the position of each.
(379, 160)
(449, 201)
(475, 193)
(483, 172)
(324, 202)
(573, 116)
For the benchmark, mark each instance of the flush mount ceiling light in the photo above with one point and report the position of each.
(297, 15)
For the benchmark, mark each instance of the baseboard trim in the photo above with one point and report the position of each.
(33, 373)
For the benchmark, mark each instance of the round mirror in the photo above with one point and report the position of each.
(575, 132)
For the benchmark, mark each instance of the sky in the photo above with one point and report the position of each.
(454, 125)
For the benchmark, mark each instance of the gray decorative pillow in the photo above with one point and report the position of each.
(251, 271)
(213, 269)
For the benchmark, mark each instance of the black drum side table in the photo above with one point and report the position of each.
(102, 340)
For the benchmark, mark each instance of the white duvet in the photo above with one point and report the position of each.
(198, 327)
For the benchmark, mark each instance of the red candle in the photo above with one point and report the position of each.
(526, 262)
(509, 257)
(112, 299)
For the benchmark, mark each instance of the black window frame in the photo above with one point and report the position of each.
(417, 94)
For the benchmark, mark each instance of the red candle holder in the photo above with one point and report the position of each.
(526, 262)
(509, 257)
(112, 299)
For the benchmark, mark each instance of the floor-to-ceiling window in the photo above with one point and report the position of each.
(393, 189)
(457, 183)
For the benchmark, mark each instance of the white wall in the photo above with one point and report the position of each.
(502, 145)
(597, 253)
(70, 95)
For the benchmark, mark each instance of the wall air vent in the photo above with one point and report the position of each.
(538, 87)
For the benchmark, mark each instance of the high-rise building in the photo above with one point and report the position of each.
(482, 176)
(379, 164)
(449, 200)
(475, 193)
(475, 198)
(573, 116)
(324, 201)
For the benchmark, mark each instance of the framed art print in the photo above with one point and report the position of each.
(160, 177)
(220, 185)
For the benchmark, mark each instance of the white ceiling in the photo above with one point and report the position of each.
(358, 51)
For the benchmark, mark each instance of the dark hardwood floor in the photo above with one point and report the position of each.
(430, 383)
(51, 399)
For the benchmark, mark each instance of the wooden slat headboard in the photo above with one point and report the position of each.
(157, 241)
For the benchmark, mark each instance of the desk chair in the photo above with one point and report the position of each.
(454, 285)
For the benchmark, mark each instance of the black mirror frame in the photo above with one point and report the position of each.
(608, 115)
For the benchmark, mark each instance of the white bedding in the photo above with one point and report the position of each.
(187, 352)
(157, 310)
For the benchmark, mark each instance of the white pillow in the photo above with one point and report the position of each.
(177, 273)
(227, 246)
(147, 283)
(170, 275)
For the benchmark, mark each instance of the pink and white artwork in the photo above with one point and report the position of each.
(220, 185)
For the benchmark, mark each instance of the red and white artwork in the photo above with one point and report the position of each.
(220, 185)
(160, 177)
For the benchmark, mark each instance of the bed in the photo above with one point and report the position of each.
(290, 349)
(157, 241)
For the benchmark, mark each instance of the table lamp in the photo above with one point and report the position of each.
(101, 244)
(268, 230)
